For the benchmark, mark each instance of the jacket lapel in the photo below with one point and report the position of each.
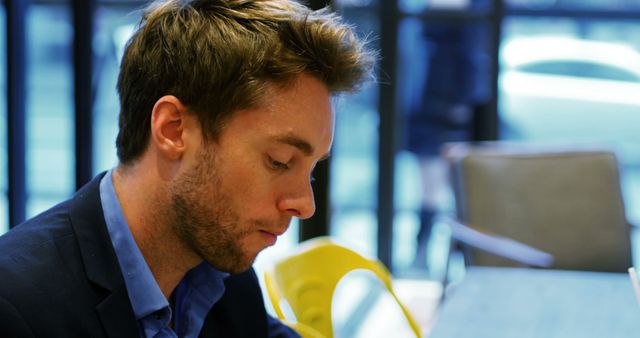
(116, 315)
(241, 304)
(101, 263)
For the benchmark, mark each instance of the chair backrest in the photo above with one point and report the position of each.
(567, 202)
(308, 279)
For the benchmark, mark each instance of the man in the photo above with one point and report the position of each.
(225, 111)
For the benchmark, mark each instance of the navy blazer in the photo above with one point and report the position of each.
(59, 277)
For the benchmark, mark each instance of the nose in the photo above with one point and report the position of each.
(299, 201)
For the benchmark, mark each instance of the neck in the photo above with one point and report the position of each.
(146, 208)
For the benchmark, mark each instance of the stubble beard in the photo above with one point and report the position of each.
(204, 219)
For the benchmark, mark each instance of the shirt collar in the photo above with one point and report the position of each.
(144, 293)
(195, 295)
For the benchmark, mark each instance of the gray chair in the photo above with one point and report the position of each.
(563, 201)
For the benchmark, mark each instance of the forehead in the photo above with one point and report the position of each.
(301, 110)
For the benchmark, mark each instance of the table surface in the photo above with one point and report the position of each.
(530, 303)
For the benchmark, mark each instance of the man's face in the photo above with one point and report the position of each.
(239, 193)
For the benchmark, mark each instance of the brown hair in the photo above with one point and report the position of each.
(218, 56)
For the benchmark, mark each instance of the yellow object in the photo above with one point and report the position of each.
(303, 330)
(307, 281)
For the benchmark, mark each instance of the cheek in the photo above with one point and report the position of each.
(248, 186)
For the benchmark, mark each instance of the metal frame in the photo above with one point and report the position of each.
(16, 88)
(16, 11)
(388, 144)
(83, 88)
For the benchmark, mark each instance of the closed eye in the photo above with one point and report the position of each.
(277, 165)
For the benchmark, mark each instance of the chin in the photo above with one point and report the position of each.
(241, 267)
(240, 260)
(234, 265)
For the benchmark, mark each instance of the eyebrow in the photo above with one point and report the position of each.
(300, 144)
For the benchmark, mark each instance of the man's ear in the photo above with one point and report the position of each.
(167, 126)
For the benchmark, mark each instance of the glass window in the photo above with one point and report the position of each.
(114, 25)
(550, 104)
(416, 6)
(443, 80)
(4, 212)
(49, 106)
(602, 5)
(356, 3)
(580, 69)
(354, 157)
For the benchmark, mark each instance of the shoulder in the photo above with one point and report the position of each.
(11, 322)
(47, 238)
(41, 268)
(36, 241)
(39, 230)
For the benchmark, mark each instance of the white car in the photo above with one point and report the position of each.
(555, 88)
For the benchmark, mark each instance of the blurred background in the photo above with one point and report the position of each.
(450, 70)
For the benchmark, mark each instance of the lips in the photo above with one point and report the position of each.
(276, 230)
(270, 237)
(272, 230)
(272, 234)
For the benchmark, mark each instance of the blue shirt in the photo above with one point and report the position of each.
(194, 296)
